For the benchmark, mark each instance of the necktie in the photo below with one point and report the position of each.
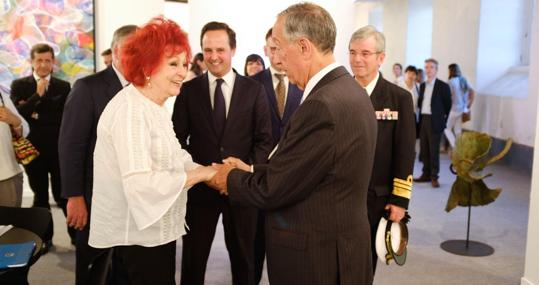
(219, 109)
(280, 93)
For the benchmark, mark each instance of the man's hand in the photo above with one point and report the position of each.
(237, 163)
(219, 180)
(396, 213)
(77, 214)
(42, 86)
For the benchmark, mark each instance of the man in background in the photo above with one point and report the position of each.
(219, 114)
(40, 99)
(390, 186)
(107, 57)
(434, 105)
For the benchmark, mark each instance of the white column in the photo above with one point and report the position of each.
(531, 272)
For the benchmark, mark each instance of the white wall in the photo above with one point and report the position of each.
(395, 22)
(419, 36)
(252, 19)
(500, 49)
(110, 15)
(531, 272)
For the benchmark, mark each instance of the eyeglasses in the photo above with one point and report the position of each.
(365, 53)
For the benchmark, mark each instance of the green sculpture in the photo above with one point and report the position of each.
(469, 158)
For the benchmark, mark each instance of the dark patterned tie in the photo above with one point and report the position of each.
(280, 93)
(219, 109)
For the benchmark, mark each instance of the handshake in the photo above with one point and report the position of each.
(218, 180)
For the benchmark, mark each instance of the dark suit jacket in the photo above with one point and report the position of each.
(395, 146)
(293, 97)
(247, 133)
(49, 108)
(314, 188)
(440, 104)
(76, 146)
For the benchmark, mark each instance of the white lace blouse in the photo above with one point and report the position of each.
(139, 175)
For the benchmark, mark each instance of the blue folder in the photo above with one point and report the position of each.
(16, 254)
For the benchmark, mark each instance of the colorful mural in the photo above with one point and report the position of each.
(66, 25)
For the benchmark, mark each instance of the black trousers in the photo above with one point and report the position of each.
(429, 143)
(92, 265)
(260, 245)
(375, 210)
(239, 226)
(38, 172)
(148, 265)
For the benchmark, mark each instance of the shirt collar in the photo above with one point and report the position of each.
(370, 87)
(123, 81)
(430, 83)
(274, 71)
(316, 78)
(36, 77)
(228, 78)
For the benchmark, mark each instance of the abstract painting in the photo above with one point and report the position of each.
(66, 25)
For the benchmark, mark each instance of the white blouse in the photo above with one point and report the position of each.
(8, 162)
(139, 175)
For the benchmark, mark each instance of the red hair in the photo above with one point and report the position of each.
(143, 52)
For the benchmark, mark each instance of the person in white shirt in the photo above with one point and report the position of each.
(141, 173)
(462, 96)
(409, 83)
(11, 123)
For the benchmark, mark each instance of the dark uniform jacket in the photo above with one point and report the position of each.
(395, 146)
(314, 188)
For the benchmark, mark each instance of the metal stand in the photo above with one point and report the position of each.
(467, 247)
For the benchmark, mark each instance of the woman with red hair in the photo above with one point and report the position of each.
(141, 173)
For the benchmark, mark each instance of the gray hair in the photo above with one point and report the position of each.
(310, 21)
(121, 33)
(370, 31)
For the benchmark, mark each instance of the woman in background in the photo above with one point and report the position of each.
(197, 67)
(253, 65)
(141, 173)
(11, 124)
(462, 96)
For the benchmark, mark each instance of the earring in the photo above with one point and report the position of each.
(148, 81)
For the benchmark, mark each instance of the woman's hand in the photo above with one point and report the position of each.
(237, 163)
(207, 172)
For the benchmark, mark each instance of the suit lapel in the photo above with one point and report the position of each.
(268, 84)
(113, 82)
(332, 75)
(379, 94)
(235, 101)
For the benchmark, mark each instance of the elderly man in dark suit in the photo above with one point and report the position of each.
(216, 115)
(390, 187)
(83, 108)
(40, 99)
(284, 98)
(314, 187)
(434, 105)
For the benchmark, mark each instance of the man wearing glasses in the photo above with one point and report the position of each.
(390, 186)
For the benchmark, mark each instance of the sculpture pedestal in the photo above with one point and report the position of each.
(467, 248)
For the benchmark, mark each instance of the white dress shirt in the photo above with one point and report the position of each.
(370, 87)
(123, 81)
(427, 97)
(316, 78)
(8, 163)
(226, 87)
(139, 175)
